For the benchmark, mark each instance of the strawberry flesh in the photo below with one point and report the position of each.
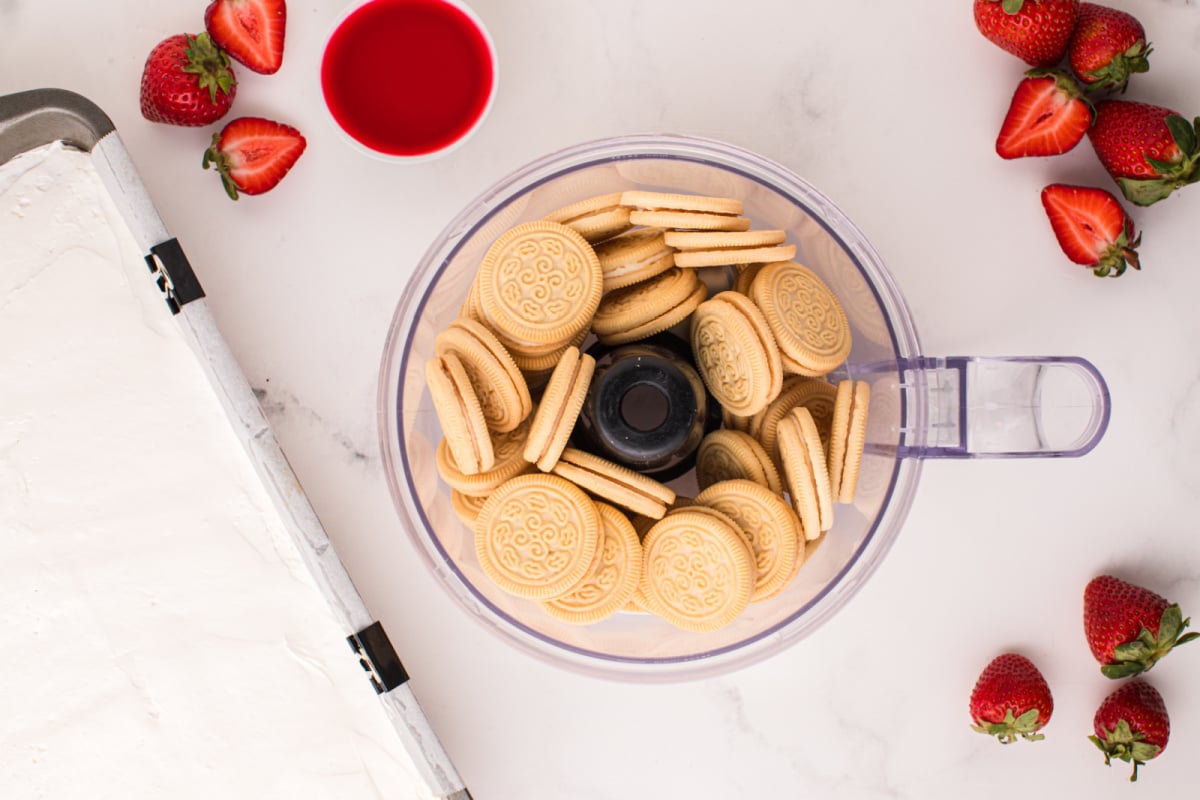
(1011, 699)
(1092, 228)
(253, 154)
(1132, 725)
(1047, 117)
(252, 31)
(1130, 628)
(1107, 47)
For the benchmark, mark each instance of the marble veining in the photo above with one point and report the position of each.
(899, 130)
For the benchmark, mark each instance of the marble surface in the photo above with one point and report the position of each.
(897, 129)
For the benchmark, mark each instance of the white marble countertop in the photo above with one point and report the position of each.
(892, 112)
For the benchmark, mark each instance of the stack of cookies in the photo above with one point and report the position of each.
(587, 538)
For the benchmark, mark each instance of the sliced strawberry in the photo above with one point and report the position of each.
(251, 31)
(1092, 228)
(253, 154)
(1047, 116)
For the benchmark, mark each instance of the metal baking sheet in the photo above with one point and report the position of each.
(31, 119)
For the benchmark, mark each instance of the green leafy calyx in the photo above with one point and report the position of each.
(210, 65)
(1139, 655)
(215, 158)
(1124, 744)
(1026, 726)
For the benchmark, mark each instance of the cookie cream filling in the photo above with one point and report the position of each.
(159, 633)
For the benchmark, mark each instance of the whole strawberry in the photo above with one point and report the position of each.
(1129, 628)
(1035, 31)
(1150, 151)
(1107, 47)
(187, 80)
(1132, 725)
(1011, 699)
(1092, 228)
(253, 154)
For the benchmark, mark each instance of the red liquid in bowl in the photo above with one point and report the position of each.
(407, 77)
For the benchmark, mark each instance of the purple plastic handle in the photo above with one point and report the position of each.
(1010, 407)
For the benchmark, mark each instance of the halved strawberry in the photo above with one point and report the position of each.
(251, 31)
(1092, 228)
(253, 154)
(1047, 116)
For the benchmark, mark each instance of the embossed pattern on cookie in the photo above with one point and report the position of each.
(735, 354)
(536, 536)
(769, 525)
(539, 284)
(808, 322)
(698, 571)
(727, 454)
(609, 585)
(502, 391)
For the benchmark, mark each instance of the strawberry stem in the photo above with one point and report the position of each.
(210, 65)
(213, 157)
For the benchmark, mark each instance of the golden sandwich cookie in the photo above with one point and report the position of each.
(698, 570)
(698, 249)
(613, 578)
(596, 218)
(633, 257)
(770, 526)
(808, 322)
(535, 367)
(466, 507)
(735, 422)
(745, 276)
(555, 417)
(848, 436)
(812, 393)
(726, 454)
(616, 484)
(539, 285)
(501, 388)
(509, 462)
(805, 471)
(690, 220)
(667, 201)
(693, 259)
(735, 353)
(717, 240)
(644, 309)
(458, 410)
(537, 535)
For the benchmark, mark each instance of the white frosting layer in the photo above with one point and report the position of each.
(159, 634)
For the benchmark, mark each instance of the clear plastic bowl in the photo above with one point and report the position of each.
(906, 398)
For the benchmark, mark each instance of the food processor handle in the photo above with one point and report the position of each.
(1019, 407)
